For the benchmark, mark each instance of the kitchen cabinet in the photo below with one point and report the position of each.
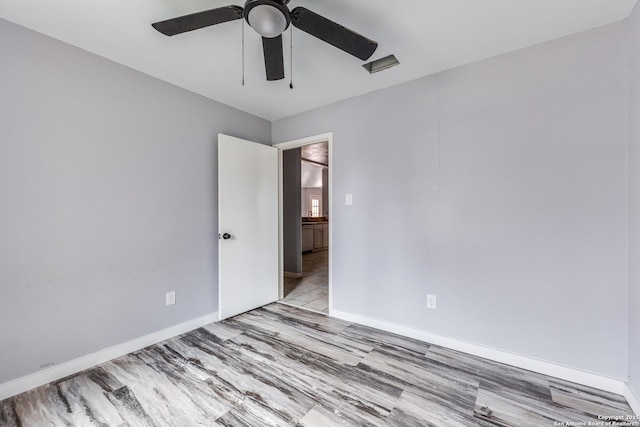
(320, 236)
(307, 238)
(325, 235)
(315, 237)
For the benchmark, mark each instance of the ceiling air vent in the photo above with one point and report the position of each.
(381, 64)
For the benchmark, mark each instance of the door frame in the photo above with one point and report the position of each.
(296, 143)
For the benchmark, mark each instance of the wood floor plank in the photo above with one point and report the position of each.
(282, 366)
(456, 395)
(587, 400)
(502, 411)
(415, 410)
(309, 318)
(503, 379)
(377, 338)
(328, 344)
(335, 384)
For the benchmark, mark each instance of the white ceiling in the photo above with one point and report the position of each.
(427, 36)
(310, 175)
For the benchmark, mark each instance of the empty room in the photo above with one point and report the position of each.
(466, 254)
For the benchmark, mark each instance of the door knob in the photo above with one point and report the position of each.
(226, 236)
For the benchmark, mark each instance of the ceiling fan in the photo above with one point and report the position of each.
(270, 18)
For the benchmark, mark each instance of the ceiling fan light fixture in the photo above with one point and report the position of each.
(267, 18)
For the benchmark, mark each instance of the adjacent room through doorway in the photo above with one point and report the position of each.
(306, 226)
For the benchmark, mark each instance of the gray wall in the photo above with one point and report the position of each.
(501, 188)
(108, 186)
(634, 199)
(291, 218)
(325, 192)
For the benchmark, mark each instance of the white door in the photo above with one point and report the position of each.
(248, 225)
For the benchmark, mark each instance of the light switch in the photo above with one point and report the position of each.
(431, 302)
(348, 199)
(170, 298)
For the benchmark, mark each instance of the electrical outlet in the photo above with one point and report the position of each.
(171, 298)
(431, 302)
(348, 199)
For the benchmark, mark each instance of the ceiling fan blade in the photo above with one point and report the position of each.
(198, 20)
(273, 59)
(333, 33)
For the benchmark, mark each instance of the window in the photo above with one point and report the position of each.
(314, 205)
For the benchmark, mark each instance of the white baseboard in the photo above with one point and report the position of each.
(633, 398)
(547, 368)
(293, 275)
(80, 364)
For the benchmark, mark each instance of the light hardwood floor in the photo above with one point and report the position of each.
(282, 366)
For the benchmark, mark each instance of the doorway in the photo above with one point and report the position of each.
(305, 223)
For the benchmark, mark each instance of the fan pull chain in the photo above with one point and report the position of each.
(242, 52)
(291, 57)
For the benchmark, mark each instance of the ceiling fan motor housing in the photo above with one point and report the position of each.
(269, 18)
